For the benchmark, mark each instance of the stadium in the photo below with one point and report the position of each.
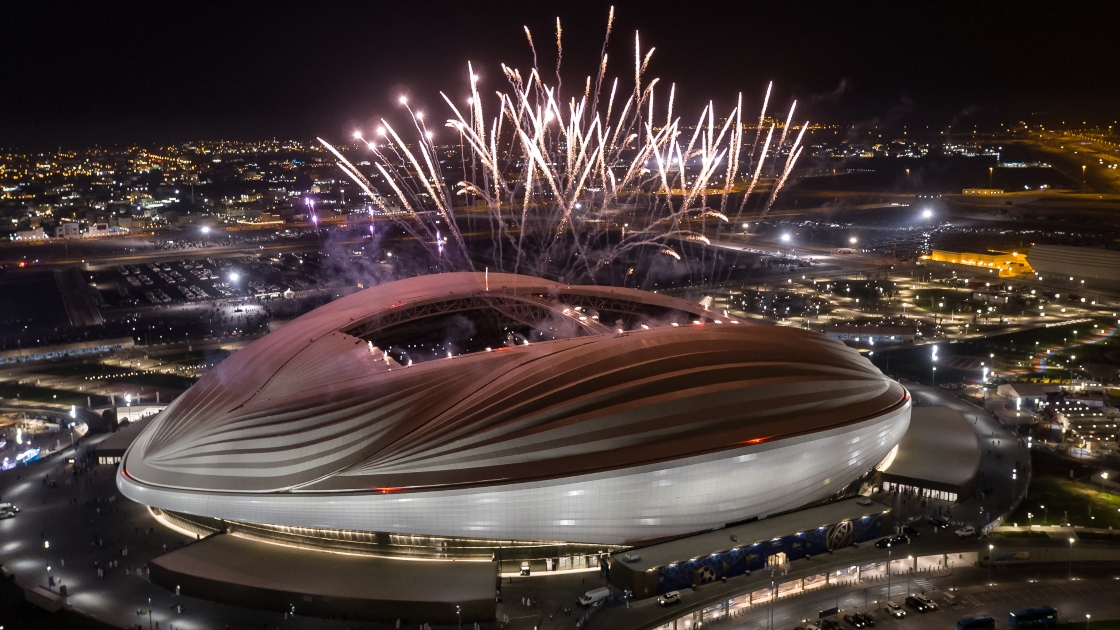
(496, 407)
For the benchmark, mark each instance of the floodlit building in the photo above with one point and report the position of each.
(1008, 264)
(503, 407)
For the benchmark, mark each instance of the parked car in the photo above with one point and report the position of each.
(670, 598)
(921, 603)
(938, 522)
(827, 624)
(910, 531)
(965, 531)
(892, 541)
(859, 620)
(895, 610)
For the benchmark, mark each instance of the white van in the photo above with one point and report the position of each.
(594, 596)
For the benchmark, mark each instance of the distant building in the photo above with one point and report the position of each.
(66, 230)
(133, 223)
(1009, 264)
(869, 333)
(1077, 263)
(1084, 422)
(30, 235)
(1027, 395)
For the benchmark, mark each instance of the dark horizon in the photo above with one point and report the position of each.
(85, 75)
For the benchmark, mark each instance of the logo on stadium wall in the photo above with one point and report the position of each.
(840, 535)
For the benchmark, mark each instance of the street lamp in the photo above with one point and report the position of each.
(990, 170)
(459, 613)
(888, 572)
(991, 559)
(1070, 574)
(933, 379)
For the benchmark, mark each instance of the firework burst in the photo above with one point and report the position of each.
(563, 185)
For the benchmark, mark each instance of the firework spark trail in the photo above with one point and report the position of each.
(785, 129)
(781, 181)
(551, 171)
(559, 53)
(758, 169)
(603, 63)
(761, 121)
(794, 152)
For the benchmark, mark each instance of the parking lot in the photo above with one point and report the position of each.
(185, 281)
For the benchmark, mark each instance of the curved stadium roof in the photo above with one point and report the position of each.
(312, 409)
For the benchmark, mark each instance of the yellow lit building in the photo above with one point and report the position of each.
(1009, 264)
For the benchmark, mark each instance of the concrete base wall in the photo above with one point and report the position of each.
(233, 570)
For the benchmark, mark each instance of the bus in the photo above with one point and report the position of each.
(976, 622)
(1039, 617)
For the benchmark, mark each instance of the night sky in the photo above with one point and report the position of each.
(76, 74)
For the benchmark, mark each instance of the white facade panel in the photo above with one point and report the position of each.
(623, 506)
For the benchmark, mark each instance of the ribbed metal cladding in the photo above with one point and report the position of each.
(308, 428)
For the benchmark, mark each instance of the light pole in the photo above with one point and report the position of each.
(933, 378)
(459, 614)
(990, 171)
(991, 559)
(1083, 166)
(909, 572)
(149, 613)
(770, 616)
(1087, 617)
(888, 572)
(1070, 574)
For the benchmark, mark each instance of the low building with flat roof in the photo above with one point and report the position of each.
(738, 549)
(1027, 395)
(938, 456)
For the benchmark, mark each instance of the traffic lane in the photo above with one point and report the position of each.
(1096, 595)
(646, 615)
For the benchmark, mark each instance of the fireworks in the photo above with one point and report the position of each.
(564, 185)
